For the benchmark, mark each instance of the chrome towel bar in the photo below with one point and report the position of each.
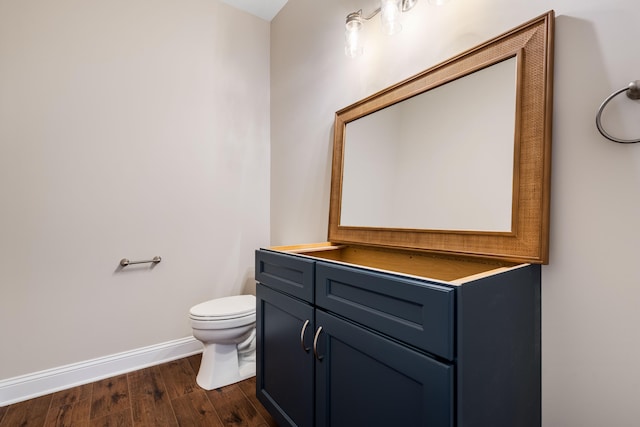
(633, 92)
(124, 262)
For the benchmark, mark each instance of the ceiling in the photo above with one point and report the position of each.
(265, 9)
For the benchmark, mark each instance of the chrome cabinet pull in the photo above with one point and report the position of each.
(315, 344)
(304, 328)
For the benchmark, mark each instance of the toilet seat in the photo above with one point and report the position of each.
(226, 308)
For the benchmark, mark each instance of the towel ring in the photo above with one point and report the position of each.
(633, 92)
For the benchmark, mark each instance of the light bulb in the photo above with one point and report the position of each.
(438, 2)
(390, 11)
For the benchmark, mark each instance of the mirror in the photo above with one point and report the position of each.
(385, 182)
(455, 159)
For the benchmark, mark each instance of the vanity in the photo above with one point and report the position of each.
(412, 314)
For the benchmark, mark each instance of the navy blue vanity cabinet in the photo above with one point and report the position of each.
(294, 276)
(366, 379)
(498, 350)
(416, 312)
(285, 370)
(284, 332)
(374, 348)
(319, 368)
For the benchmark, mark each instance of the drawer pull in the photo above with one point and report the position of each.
(315, 344)
(304, 328)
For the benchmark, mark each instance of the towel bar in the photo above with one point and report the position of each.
(125, 262)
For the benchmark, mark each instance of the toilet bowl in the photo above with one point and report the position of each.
(227, 329)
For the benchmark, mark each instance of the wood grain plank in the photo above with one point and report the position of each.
(72, 395)
(114, 419)
(147, 411)
(194, 361)
(26, 414)
(75, 414)
(148, 382)
(110, 396)
(179, 378)
(150, 404)
(195, 409)
(234, 408)
(3, 410)
(248, 387)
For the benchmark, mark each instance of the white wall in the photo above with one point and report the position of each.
(127, 129)
(591, 297)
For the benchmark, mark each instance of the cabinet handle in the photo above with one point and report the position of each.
(304, 328)
(315, 344)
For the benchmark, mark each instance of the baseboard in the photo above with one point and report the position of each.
(28, 386)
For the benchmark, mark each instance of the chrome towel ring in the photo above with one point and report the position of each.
(633, 92)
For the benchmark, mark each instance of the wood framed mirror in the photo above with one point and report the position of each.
(455, 159)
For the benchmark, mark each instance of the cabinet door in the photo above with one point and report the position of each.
(365, 379)
(284, 364)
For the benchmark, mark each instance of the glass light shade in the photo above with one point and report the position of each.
(408, 4)
(390, 11)
(353, 42)
(438, 2)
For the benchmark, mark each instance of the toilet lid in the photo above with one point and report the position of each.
(225, 308)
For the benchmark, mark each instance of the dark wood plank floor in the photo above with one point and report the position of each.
(163, 395)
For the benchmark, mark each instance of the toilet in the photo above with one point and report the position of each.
(227, 329)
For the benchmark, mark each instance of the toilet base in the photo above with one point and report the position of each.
(221, 366)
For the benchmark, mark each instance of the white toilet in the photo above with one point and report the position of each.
(227, 328)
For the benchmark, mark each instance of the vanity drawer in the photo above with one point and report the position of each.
(286, 273)
(416, 312)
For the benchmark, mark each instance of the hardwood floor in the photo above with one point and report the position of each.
(163, 395)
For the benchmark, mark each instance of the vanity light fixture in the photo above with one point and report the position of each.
(390, 12)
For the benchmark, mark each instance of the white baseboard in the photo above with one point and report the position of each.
(28, 386)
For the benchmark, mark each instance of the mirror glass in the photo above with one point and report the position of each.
(443, 159)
